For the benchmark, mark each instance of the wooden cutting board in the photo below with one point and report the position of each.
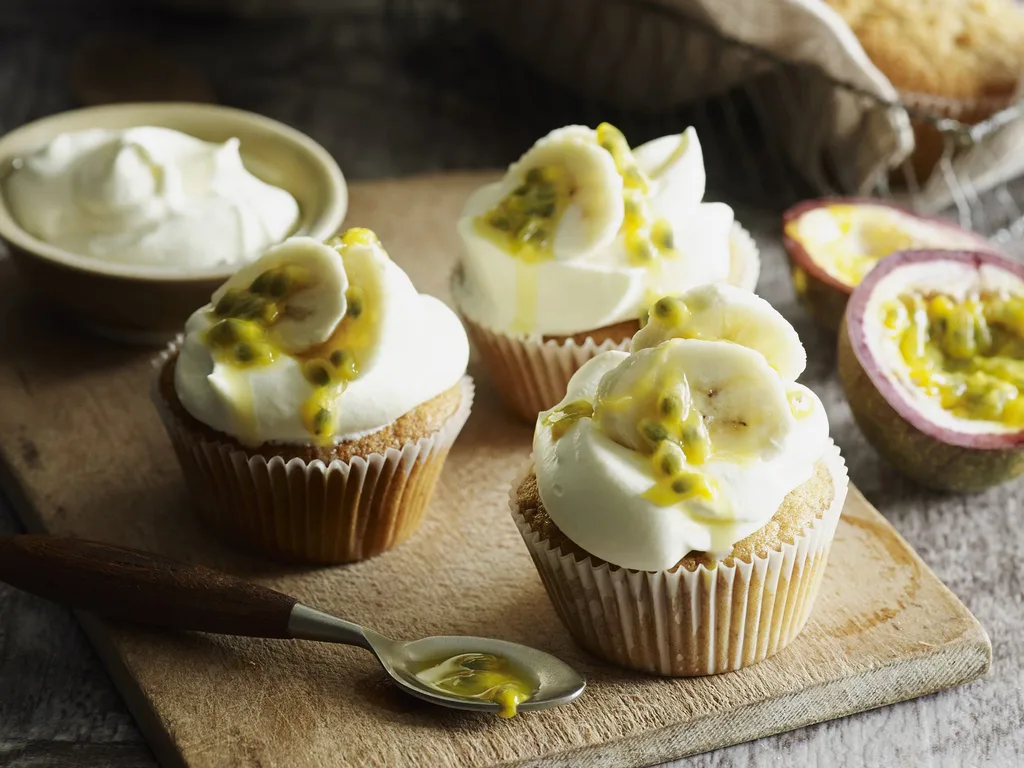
(83, 453)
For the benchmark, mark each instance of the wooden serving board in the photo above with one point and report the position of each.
(84, 454)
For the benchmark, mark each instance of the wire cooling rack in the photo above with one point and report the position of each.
(746, 157)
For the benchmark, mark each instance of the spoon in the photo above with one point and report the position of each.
(143, 588)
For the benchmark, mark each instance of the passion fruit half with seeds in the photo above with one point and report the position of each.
(931, 357)
(833, 243)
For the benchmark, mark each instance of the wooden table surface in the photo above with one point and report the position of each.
(377, 112)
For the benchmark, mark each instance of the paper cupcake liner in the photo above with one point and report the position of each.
(311, 512)
(683, 623)
(532, 373)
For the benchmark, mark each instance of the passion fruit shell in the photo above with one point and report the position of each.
(935, 455)
(824, 294)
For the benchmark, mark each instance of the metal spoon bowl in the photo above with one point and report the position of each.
(139, 587)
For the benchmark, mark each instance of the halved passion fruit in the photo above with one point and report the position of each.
(833, 243)
(931, 356)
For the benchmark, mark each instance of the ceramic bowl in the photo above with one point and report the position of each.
(145, 303)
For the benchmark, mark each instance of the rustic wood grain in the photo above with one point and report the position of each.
(885, 629)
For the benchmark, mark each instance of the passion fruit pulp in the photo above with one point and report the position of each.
(832, 243)
(931, 358)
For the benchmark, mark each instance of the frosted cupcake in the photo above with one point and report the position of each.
(313, 401)
(563, 257)
(683, 496)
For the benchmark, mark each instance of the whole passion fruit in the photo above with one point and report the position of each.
(832, 243)
(931, 356)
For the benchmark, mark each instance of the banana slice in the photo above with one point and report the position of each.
(724, 312)
(691, 390)
(296, 290)
(588, 210)
(675, 166)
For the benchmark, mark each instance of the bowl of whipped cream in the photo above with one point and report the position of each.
(129, 216)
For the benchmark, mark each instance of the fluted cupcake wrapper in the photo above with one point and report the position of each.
(532, 374)
(684, 623)
(299, 511)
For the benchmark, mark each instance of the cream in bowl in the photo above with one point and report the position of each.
(128, 216)
(148, 195)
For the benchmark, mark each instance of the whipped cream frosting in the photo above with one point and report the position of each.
(355, 341)
(689, 442)
(150, 196)
(596, 273)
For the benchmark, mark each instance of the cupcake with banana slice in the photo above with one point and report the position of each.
(682, 497)
(313, 401)
(563, 257)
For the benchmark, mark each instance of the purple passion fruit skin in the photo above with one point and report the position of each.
(934, 455)
(823, 293)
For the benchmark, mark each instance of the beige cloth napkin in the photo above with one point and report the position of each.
(861, 137)
(659, 54)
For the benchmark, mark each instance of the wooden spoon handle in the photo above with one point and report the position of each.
(142, 588)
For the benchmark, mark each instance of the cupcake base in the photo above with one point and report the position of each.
(683, 622)
(279, 501)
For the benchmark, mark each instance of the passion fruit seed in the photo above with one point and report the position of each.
(669, 459)
(345, 364)
(639, 246)
(249, 354)
(670, 310)
(226, 305)
(653, 432)
(681, 487)
(317, 373)
(695, 440)
(636, 213)
(322, 422)
(227, 332)
(673, 405)
(661, 235)
(354, 302)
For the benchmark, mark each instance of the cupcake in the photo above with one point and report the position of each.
(562, 258)
(313, 401)
(947, 58)
(682, 497)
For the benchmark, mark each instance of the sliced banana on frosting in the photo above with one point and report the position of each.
(724, 312)
(296, 290)
(690, 392)
(563, 196)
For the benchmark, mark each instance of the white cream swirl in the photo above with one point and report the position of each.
(591, 281)
(410, 348)
(150, 196)
(603, 488)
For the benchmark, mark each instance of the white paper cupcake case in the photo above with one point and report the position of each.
(685, 623)
(310, 512)
(532, 374)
